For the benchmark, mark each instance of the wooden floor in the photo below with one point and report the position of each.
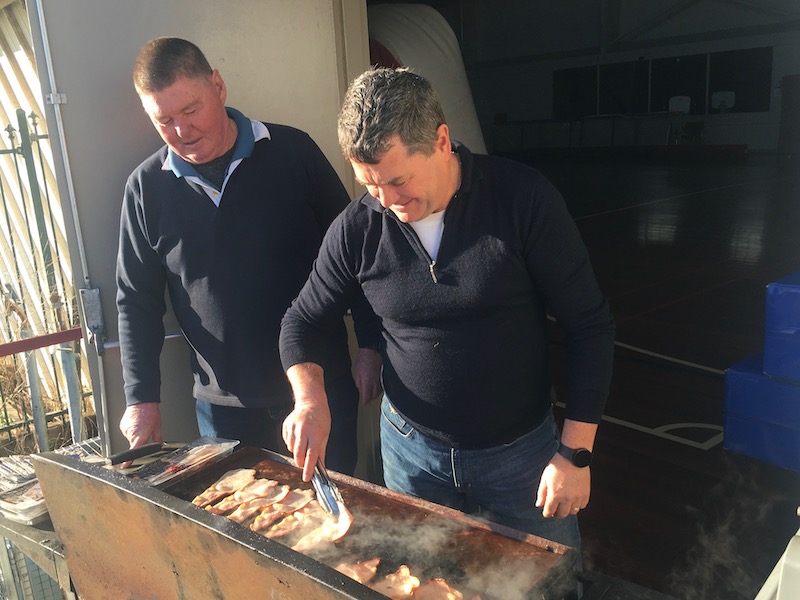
(684, 251)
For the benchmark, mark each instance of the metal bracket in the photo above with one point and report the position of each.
(55, 98)
(93, 316)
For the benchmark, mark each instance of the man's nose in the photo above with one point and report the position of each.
(386, 196)
(182, 128)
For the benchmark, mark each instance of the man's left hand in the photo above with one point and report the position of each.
(564, 488)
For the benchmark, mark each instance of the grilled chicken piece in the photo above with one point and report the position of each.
(247, 509)
(268, 517)
(224, 486)
(258, 488)
(284, 527)
(362, 572)
(312, 539)
(329, 528)
(437, 589)
(312, 514)
(338, 528)
(266, 490)
(397, 586)
(294, 501)
(308, 517)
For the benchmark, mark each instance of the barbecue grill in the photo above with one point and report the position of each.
(124, 538)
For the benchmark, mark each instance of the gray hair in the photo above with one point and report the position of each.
(382, 103)
(163, 60)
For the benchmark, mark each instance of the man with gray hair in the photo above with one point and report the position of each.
(461, 256)
(227, 216)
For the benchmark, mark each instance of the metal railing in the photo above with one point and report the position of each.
(41, 380)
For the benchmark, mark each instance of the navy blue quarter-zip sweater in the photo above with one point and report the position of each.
(465, 339)
(230, 270)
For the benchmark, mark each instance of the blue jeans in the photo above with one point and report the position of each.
(498, 483)
(261, 426)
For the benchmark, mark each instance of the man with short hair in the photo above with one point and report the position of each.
(461, 257)
(228, 216)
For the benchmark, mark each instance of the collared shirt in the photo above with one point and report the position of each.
(231, 270)
(249, 132)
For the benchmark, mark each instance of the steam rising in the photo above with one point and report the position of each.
(510, 580)
(721, 563)
(394, 541)
(430, 548)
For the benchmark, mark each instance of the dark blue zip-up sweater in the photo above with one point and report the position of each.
(465, 340)
(231, 271)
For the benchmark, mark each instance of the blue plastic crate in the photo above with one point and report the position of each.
(762, 415)
(782, 329)
(782, 355)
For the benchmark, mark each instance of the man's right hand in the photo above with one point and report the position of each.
(306, 429)
(141, 424)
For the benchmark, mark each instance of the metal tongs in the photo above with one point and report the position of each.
(134, 453)
(328, 494)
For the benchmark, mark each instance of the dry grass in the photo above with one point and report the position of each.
(15, 410)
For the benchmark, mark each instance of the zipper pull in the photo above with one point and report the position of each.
(433, 273)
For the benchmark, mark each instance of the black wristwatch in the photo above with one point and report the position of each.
(580, 457)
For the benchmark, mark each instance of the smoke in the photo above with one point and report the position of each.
(722, 563)
(394, 541)
(435, 548)
(410, 539)
(514, 580)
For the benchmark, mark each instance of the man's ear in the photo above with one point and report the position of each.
(219, 84)
(442, 143)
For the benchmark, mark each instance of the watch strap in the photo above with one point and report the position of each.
(580, 457)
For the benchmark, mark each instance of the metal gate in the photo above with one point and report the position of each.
(42, 375)
(42, 382)
(22, 579)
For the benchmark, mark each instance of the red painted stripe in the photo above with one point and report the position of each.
(41, 341)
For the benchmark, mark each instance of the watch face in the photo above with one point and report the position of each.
(582, 458)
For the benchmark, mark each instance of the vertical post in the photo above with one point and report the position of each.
(36, 200)
(37, 407)
(63, 311)
(69, 367)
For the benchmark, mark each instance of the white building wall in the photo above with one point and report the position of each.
(282, 61)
